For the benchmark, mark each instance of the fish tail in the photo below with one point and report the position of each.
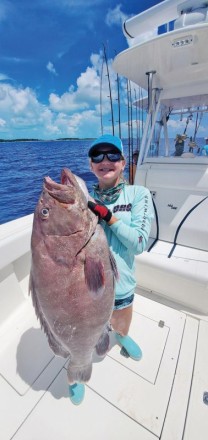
(77, 373)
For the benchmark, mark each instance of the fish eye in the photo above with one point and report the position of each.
(45, 212)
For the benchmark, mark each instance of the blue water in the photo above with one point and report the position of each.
(23, 166)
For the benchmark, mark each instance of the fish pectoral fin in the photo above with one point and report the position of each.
(103, 343)
(94, 275)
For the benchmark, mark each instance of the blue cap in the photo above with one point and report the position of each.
(106, 140)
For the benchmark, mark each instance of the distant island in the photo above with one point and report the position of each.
(46, 140)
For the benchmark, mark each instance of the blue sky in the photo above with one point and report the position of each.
(50, 64)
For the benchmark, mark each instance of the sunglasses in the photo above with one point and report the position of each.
(112, 157)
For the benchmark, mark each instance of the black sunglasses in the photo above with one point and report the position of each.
(112, 157)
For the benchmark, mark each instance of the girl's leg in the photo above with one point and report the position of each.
(120, 321)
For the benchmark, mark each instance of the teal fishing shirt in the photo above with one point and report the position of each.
(129, 235)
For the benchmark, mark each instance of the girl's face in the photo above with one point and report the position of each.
(108, 173)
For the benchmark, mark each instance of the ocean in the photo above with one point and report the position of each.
(23, 166)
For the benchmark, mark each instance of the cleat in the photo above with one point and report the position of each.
(76, 393)
(129, 346)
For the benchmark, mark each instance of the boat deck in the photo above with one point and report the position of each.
(160, 397)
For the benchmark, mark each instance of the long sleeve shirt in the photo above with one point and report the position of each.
(129, 235)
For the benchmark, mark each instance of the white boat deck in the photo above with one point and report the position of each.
(160, 397)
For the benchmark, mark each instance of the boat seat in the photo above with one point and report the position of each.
(177, 264)
(182, 278)
(15, 239)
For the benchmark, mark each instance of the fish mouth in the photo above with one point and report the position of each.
(50, 185)
(67, 178)
(59, 191)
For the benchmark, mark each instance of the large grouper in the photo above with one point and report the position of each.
(72, 275)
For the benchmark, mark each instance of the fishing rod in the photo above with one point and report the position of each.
(130, 131)
(109, 85)
(131, 128)
(131, 121)
(197, 124)
(119, 107)
(101, 101)
(119, 102)
(128, 115)
(189, 118)
(142, 111)
(137, 128)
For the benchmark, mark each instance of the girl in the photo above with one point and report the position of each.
(125, 212)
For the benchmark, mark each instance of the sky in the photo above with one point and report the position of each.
(51, 70)
(50, 66)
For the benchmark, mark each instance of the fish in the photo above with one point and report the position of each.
(72, 276)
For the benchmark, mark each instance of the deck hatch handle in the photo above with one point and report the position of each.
(161, 323)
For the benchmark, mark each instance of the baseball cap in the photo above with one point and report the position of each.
(106, 140)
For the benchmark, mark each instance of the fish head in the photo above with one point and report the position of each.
(62, 209)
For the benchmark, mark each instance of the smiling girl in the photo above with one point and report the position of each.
(125, 212)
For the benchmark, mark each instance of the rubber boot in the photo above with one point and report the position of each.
(76, 393)
(127, 343)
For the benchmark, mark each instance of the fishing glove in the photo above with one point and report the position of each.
(100, 210)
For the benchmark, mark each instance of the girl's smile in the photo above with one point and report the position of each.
(108, 173)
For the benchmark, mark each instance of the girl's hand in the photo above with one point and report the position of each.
(100, 210)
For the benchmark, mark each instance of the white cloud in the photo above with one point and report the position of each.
(68, 102)
(22, 113)
(75, 113)
(115, 16)
(87, 92)
(51, 68)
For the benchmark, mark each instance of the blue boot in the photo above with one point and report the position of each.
(76, 393)
(132, 349)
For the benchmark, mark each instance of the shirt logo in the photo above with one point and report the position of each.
(122, 208)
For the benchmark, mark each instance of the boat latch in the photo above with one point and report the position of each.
(205, 397)
(161, 323)
(153, 194)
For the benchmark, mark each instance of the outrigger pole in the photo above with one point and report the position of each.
(109, 85)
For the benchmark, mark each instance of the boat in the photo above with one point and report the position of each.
(165, 395)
